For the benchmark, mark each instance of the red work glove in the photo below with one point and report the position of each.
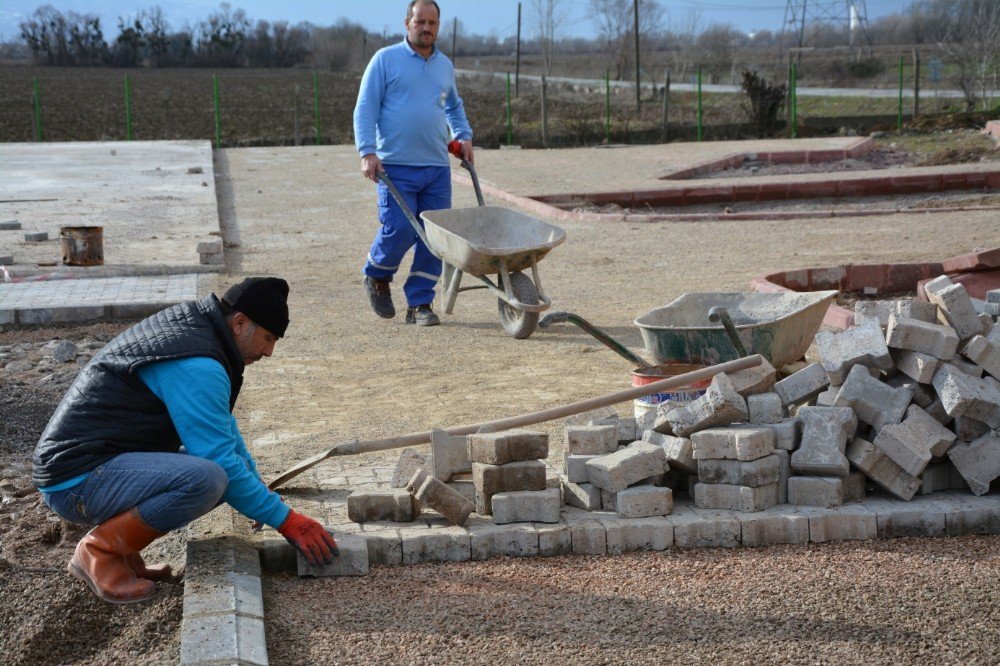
(309, 537)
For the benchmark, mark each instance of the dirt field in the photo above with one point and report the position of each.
(306, 214)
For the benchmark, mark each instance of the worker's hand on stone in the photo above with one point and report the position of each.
(309, 537)
(371, 166)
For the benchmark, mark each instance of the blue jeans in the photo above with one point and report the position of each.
(423, 188)
(169, 489)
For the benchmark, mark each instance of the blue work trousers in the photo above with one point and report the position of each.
(423, 188)
(169, 489)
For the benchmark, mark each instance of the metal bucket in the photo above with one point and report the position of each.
(82, 246)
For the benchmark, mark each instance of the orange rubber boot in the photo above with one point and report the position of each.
(148, 571)
(101, 558)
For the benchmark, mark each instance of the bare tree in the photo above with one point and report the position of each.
(157, 35)
(972, 41)
(615, 24)
(548, 16)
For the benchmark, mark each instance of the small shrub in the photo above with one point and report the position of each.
(765, 101)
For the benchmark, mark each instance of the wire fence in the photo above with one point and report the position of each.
(243, 107)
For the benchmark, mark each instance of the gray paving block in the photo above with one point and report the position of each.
(625, 535)
(917, 366)
(735, 498)
(516, 540)
(824, 491)
(617, 471)
(881, 469)
(644, 501)
(954, 306)
(36, 236)
(802, 386)
(226, 593)
(963, 395)
(765, 408)
(223, 639)
(772, 526)
(10, 225)
(874, 402)
(527, 506)
(57, 315)
(705, 529)
(825, 433)
(760, 472)
(277, 555)
(919, 517)
(449, 455)
(444, 499)
(352, 559)
(844, 523)
(588, 538)
(721, 405)
(445, 544)
(591, 439)
(6, 259)
(978, 462)
(919, 336)
(575, 467)
(968, 514)
(499, 448)
(554, 540)
(678, 450)
(755, 380)
(583, 495)
(395, 504)
(385, 547)
(492, 479)
(861, 345)
(985, 354)
(744, 443)
(410, 461)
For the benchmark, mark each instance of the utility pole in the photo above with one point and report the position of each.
(454, 34)
(517, 57)
(638, 82)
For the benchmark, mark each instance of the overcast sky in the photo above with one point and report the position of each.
(482, 17)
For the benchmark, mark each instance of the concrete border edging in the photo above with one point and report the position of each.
(223, 615)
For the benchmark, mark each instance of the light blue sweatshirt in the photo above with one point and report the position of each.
(406, 106)
(196, 392)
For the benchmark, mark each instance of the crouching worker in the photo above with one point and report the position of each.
(111, 454)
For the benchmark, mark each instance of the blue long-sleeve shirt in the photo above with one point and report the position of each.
(196, 392)
(406, 107)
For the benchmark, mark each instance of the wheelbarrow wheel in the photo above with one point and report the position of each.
(518, 323)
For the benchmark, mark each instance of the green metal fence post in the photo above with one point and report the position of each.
(128, 110)
(700, 110)
(899, 118)
(607, 106)
(510, 127)
(36, 98)
(795, 101)
(218, 119)
(316, 105)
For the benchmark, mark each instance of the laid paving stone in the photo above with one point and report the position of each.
(845, 523)
(222, 639)
(721, 405)
(919, 367)
(385, 547)
(874, 402)
(622, 536)
(527, 506)
(954, 306)
(487, 541)
(575, 467)
(735, 498)
(499, 448)
(978, 462)
(881, 469)
(449, 455)
(554, 540)
(824, 491)
(588, 537)
(7, 260)
(583, 495)
(352, 559)
(761, 472)
(825, 433)
(963, 395)
(36, 236)
(444, 544)
(591, 439)
(617, 471)
(861, 345)
(381, 504)
(444, 499)
(732, 443)
(922, 517)
(678, 450)
(705, 529)
(985, 354)
(968, 514)
(802, 386)
(920, 336)
(773, 526)
(10, 225)
(765, 408)
(644, 502)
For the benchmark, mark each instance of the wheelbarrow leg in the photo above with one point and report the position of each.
(452, 280)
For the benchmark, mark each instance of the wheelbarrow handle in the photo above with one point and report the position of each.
(718, 313)
(559, 317)
(468, 166)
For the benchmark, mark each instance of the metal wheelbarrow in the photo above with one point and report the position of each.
(485, 241)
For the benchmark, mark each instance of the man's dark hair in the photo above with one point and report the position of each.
(414, 3)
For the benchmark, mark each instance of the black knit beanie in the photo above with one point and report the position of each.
(264, 300)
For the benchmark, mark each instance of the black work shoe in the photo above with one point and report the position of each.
(422, 315)
(380, 297)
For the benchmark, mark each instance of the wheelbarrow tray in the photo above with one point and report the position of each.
(475, 240)
(779, 326)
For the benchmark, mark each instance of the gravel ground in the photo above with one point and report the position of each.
(899, 601)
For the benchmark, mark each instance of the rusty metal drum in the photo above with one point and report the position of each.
(82, 246)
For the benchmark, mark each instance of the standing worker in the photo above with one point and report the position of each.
(408, 109)
(110, 455)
